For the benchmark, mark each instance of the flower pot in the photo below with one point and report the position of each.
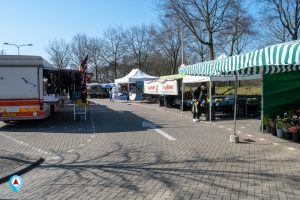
(280, 133)
(288, 135)
(274, 132)
(269, 129)
(296, 137)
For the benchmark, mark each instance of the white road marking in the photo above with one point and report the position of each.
(213, 124)
(54, 158)
(88, 140)
(71, 150)
(152, 126)
(239, 132)
(92, 136)
(230, 129)
(25, 144)
(275, 143)
(221, 126)
(262, 139)
(249, 135)
(242, 127)
(291, 148)
(81, 145)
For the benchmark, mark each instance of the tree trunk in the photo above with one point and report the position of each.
(211, 46)
(295, 36)
(96, 74)
(115, 71)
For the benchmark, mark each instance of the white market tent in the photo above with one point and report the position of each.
(134, 76)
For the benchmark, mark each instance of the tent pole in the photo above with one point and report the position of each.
(182, 93)
(235, 102)
(235, 138)
(128, 88)
(210, 102)
(262, 104)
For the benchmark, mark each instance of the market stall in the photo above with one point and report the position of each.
(275, 59)
(134, 84)
(220, 103)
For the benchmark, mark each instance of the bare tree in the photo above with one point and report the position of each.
(275, 32)
(197, 51)
(59, 53)
(79, 48)
(168, 39)
(95, 58)
(285, 13)
(139, 40)
(113, 47)
(206, 16)
(236, 37)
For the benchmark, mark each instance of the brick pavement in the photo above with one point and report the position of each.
(126, 161)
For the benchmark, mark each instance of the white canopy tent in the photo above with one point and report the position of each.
(134, 76)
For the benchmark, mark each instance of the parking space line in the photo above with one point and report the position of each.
(25, 144)
(153, 127)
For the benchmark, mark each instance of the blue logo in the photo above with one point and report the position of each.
(16, 183)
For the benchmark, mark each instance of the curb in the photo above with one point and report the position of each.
(20, 170)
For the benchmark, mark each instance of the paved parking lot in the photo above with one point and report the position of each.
(125, 151)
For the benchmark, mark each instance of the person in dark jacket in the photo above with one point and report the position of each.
(199, 98)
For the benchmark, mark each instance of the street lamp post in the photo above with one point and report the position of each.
(181, 45)
(18, 46)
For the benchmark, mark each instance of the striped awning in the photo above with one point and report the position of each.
(277, 58)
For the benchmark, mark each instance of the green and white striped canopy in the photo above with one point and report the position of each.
(277, 58)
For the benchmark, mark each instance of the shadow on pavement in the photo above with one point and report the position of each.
(100, 119)
(132, 172)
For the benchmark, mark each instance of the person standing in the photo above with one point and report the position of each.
(110, 94)
(199, 98)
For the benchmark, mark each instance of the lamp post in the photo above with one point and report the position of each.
(181, 30)
(18, 46)
(181, 38)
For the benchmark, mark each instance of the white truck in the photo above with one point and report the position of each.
(22, 88)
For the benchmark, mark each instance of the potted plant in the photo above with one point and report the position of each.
(266, 123)
(279, 126)
(273, 127)
(295, 132)
(287, 123)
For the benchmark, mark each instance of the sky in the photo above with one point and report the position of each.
(40, 21)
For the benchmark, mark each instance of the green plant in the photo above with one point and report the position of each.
(279, 122)
(286, 124)
(266, 120)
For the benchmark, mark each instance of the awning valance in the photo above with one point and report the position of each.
(277, 58)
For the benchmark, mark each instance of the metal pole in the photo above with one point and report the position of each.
(18, 50)
(181, 45)
(182, 94)
(262, 103)
(235, 102)
(210, 102)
